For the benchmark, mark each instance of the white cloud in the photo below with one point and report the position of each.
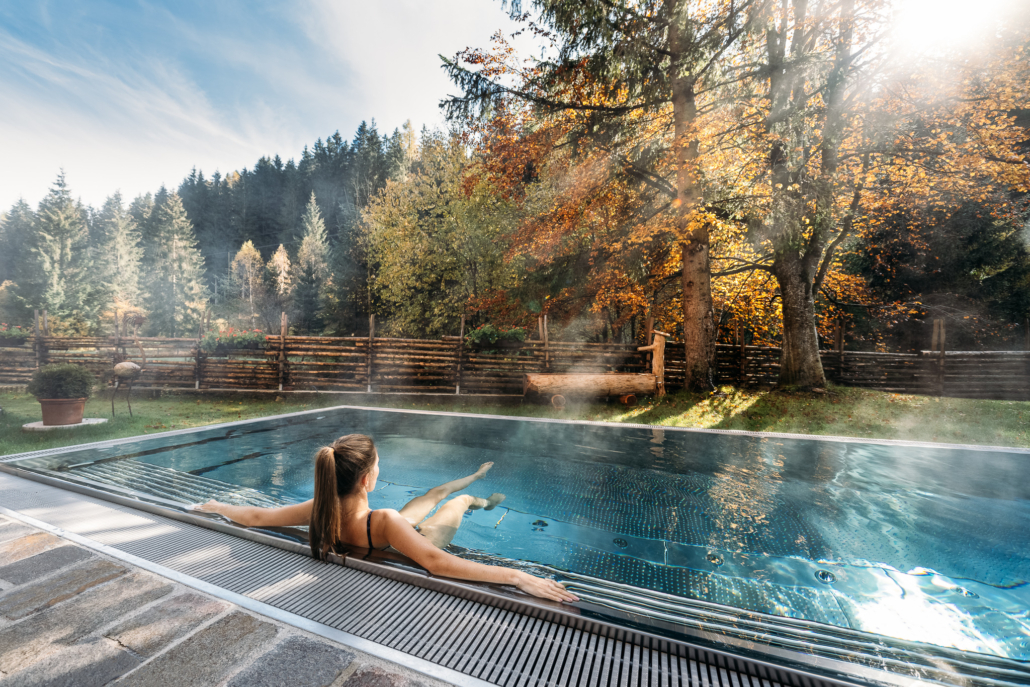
(393, 46)
(143, 116)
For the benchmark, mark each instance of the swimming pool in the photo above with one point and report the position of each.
(910, 543)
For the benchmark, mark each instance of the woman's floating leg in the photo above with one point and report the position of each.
(441, 528)
(419, 507)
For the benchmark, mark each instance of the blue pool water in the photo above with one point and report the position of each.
(921, 543)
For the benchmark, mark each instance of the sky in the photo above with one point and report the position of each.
(129, 95)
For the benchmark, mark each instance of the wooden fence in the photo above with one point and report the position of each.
(450, 366)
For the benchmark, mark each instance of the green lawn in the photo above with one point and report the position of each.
(843, 411)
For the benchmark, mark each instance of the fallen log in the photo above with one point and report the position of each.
(607, 384)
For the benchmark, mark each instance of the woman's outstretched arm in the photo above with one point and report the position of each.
(298, 514)
(398, 532)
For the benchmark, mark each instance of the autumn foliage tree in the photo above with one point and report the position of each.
(769, 138)
(632, 82)
(842, 130)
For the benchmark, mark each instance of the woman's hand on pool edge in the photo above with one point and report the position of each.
(544, 588)
(211, 506)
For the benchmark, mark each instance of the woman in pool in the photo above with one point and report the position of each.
(339, 514)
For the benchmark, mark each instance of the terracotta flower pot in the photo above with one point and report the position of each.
(62, 411)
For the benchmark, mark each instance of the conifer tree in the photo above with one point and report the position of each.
(16, 229)
(313, 278)
(307, 300)
(121, 251)
(59, 275)
(176, 295)
(314, 245)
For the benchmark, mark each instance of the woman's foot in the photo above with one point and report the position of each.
(483, 469)
(493, 501)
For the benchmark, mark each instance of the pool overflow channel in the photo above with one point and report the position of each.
(612, 626)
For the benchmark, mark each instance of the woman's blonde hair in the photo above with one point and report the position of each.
(338, 469)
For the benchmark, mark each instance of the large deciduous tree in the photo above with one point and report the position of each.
(436, 240)
(842, 128)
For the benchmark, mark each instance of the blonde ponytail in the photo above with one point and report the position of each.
(338, 469)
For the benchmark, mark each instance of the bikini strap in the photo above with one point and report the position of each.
(368, 529)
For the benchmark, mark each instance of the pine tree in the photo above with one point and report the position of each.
(176, 295)
(60, 268)
(307, 301)
(141, 209)
(122, 252)
(314, 245)
(16, 230)
(313, 270)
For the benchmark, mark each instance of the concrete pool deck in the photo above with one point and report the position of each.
(73, 616)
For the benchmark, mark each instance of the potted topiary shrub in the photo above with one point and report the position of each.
(62, 391)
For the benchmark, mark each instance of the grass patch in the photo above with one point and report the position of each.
(843, 411)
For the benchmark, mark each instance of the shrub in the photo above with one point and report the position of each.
(232, 338)
(487, 334)
(13, 331)
(62, 381)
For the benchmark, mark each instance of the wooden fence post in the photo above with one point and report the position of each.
(35, 335)
(461, 347)
(547, 353)
(282, 350)
(938, 346)
(1026, 333)
(648, 332)
(371, 338)
(743, 357)
(46, 325)
(839, 345)
(658, 362)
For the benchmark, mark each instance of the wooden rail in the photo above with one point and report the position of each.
(448, 365)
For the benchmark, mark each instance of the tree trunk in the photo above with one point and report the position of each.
(588, 385)
(698, 311)
(800, 364)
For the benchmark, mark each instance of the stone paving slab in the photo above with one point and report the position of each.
(376, 677)
(92, 663)
(194, 663)
(10, 530)
(297, 662)
(25, 546)
(42, 634)
(71, 616)
(28, 599)
(149, 632)
(42, 564)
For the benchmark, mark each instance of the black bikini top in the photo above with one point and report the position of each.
(368, 531)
